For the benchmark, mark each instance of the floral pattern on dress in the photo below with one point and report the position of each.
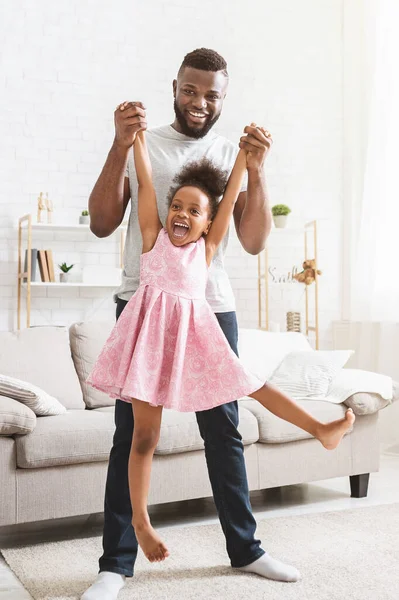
(167, 348)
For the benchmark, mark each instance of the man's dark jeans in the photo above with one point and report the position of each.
(226, 467)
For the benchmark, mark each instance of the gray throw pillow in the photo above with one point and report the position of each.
(15, 417)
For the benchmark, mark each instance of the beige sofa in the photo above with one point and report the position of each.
(55, 466)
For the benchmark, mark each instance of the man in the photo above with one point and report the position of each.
(199, 92)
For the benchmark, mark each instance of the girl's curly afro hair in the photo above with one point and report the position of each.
(206, 176)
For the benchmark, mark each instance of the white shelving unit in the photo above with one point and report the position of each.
(308, 230)
(25, 222)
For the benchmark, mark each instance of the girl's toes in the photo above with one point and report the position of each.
(350, 416)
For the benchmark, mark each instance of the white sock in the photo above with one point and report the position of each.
(106, 587)
(269, 567)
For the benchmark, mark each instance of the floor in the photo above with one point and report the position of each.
(322, 496)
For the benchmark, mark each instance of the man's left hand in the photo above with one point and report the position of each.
(257, 144)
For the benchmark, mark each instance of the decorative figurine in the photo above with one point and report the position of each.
(40, 206)
(50, 208)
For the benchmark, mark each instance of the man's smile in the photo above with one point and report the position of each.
(196, 117)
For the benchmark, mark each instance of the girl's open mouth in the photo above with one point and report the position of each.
(179, 230)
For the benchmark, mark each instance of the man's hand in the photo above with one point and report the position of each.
(130, 118)
(257, 144)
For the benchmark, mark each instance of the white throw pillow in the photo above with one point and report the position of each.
(309, 374)
(261, 352)
(32, 396)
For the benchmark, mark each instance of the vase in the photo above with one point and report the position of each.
(64, 277)
(280, 221)
(84, 220)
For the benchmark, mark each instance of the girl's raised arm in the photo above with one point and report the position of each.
(221, 222)
(150, 224)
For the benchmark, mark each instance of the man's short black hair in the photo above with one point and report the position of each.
(204, 59)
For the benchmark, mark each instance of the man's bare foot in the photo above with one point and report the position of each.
(332, 433)
(150, 542)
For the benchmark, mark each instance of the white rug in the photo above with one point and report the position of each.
(342, 555)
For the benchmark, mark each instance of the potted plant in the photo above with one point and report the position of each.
(280, 213)
(65, 272)
(84, 218)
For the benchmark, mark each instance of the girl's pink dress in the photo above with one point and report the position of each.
(167, 348)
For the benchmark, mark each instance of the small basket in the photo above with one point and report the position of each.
(294, 321)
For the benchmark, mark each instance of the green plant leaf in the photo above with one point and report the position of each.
(64, 267)
(280, 210)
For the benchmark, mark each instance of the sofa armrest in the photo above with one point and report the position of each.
(15, 417)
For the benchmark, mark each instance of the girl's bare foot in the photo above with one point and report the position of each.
(332, 433)
(150, 542)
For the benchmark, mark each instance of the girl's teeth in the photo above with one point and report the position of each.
(179, 230)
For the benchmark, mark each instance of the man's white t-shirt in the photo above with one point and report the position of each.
(169, 151)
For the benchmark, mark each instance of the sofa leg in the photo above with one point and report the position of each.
(359, 485)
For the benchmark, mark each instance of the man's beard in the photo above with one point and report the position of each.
(189, 131)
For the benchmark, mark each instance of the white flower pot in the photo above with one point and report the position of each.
(64, 277)
(84, 220)
(280, 221)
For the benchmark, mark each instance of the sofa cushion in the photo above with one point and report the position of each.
(273, 430)
(42, 356)
(180, 433)
(79, 436)
(15, 418)
(87, 340)
(86, 436)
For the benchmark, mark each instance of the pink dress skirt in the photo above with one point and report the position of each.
(167, 347)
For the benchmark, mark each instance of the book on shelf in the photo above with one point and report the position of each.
(33, 262)
(50, 264)
(41, 257)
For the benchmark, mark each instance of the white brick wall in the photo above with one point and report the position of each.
(65, 66)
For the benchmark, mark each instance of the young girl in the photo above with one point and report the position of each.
(167, 348)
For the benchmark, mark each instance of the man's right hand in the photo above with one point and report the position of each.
(130, 118)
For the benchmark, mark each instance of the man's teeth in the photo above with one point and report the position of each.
(200, 115)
